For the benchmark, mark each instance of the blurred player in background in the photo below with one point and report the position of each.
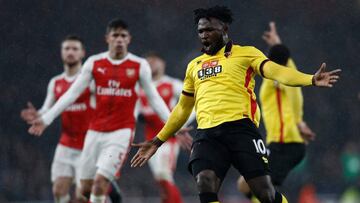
(282, 111)
(74, 122)
(118, 76)
(220, 83)
(163, 163)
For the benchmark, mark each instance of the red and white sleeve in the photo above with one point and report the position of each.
(50, 98)
(155, 100)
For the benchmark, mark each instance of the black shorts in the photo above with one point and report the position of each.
(283, 158)
(237, 143)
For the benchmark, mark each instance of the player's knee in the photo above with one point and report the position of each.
(266, 196)
(243, 186)
(207, 181)
(100, 185)
(59, 189)
(85, 190)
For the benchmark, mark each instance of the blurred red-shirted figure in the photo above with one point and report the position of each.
(74, 120)
(117, 75)
(163, 163)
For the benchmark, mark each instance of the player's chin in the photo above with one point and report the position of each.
(71, 62)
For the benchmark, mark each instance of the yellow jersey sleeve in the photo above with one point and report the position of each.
(177, 118)
(257, 59)
(286, 76)
(189, 80)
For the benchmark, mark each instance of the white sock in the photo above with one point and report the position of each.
(62, 199)
(97, 199)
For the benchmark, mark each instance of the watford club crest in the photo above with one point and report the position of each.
(130, 72)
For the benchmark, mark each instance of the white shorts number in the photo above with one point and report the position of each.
(260, 146)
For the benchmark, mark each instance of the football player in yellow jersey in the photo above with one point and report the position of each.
(220, 84)
(282, 111)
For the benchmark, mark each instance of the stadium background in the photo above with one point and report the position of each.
(315, 31)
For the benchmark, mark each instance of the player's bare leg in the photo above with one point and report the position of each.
(85, 190)
(208, 185)
(244, 188)
(99, 189)
(61, 188)
(79, 198)
(264, 190)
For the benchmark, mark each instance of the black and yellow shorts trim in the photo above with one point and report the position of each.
(236, 143)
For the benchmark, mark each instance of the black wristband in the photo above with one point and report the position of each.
(156, 141)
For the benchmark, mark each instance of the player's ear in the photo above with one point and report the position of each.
(83, 53)
(106, 37)
(130, 37)
(226, 28)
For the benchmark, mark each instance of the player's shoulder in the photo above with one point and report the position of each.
(136, 58)
(97, 57)
(57, 77)
(245, 50)
(197, 60)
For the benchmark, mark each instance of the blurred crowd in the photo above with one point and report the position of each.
(315, 31)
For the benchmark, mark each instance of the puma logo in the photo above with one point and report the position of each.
(101, 70)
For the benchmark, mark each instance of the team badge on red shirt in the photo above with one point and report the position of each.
(130, 72)
(58, 89)
(165, 92)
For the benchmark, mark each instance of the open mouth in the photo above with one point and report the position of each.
(206, 43)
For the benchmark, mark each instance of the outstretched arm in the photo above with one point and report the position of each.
(178, 88)
(80, 84)
(30, 113)
(155, 100)
(50, 98)
(177, 118)
(292, 77)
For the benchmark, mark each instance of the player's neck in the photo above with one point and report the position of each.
(72, 70)
(157, 77)
(117, 55)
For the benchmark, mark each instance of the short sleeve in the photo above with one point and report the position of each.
(257, 60)
(188, 87)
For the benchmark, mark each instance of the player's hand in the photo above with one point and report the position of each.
(29, 114)
(271, 37)
(306, 133)
(325, 79)
(37, 127)
(146, 150)
(184, 138)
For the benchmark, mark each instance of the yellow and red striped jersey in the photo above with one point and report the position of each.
(282, 110)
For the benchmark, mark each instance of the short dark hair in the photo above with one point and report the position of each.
(153, 54)
(116, 23)
(73, 38)
(221, 13)
(280, 54)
